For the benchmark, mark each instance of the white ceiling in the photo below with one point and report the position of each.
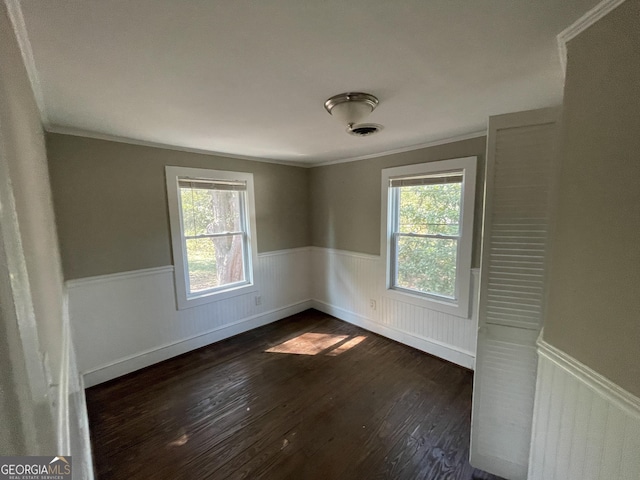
(249, 77)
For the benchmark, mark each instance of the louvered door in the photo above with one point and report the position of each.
(515, 249)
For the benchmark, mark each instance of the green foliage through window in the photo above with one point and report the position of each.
(426, 237)
(213, 260)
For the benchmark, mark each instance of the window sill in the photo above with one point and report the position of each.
(430, 303)
(212, 297)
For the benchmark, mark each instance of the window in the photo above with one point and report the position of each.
(211, 216)
(428, 233)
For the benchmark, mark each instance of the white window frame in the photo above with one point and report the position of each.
(181, 272)
(460, 306)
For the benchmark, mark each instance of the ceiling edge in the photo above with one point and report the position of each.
(77, 132)
(14, 10)
(457, 138)
(580, 25)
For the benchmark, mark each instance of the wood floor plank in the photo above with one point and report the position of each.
(361, 406)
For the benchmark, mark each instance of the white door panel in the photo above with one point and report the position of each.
(515, 256)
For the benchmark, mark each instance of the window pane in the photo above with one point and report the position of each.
(430, 209)
(214, 262)
(427, 265)
(206, 211)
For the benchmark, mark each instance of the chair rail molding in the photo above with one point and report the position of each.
(599, 383)
(584, 425)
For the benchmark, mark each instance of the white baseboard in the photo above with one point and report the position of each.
(149, 357)
(453, 355)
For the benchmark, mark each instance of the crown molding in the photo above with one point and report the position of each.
(580, 25)
(444, 141)
(78, 132)
(14, 11)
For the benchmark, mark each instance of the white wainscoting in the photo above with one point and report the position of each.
(127, 321)
(585, 427)
(344, 283)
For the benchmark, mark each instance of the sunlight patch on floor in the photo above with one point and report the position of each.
(308, 344)
(314, 343)
(346, 346)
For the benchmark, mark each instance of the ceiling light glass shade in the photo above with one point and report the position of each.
(349, 113)
(351, 108)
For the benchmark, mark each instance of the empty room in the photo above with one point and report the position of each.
(320, 240)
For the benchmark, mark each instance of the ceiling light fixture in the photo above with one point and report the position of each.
(350, 109)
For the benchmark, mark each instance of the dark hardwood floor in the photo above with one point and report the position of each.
(362, 408)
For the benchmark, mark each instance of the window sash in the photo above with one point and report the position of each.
(394, 247)
(427, 235)
(212, 184)
(213, 235)
(395, 234)
(218, 288)
(204, 184)
(433, 179)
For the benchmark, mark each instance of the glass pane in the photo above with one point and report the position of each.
(214, 262)
(206, 211)
(430, 209)
(427, 265)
